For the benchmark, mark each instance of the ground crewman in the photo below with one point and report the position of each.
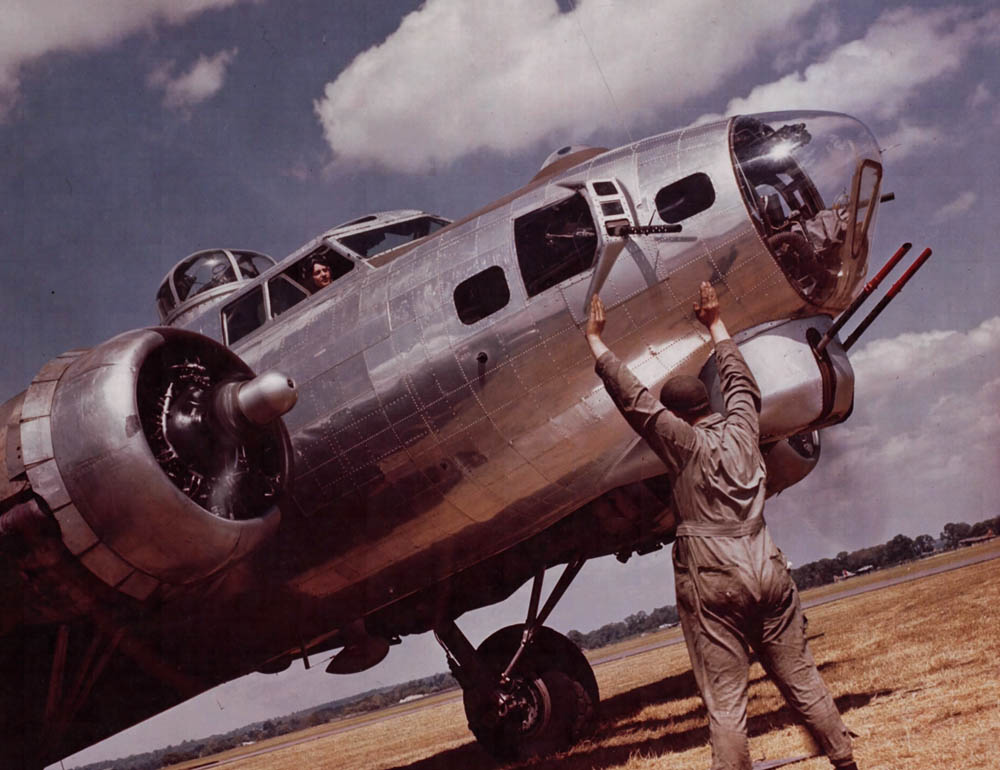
(734, 590)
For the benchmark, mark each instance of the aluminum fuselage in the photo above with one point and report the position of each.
(424, 445)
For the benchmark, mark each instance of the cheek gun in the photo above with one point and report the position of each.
(867, 291)
(889, 297)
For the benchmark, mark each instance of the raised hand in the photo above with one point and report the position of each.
(707, 310)
(597, 317)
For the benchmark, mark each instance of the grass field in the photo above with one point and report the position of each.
(915, 670)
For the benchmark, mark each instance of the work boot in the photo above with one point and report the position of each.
(845, 765)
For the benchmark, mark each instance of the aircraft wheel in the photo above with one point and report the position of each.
(547, 704)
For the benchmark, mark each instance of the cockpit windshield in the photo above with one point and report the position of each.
(379, 239)
(811, 182)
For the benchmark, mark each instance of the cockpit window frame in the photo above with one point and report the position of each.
(227, 313)
(853, 233)
(284, 271)
(380, 257)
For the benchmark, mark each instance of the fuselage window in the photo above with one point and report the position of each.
(555, 243)
(244, 315)
(481, 295)
(685, 198)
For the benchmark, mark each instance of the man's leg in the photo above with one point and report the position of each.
(720, 662)
(786, 658)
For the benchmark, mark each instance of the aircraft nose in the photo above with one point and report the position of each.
(811, 182)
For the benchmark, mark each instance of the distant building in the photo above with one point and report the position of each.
(410, 698)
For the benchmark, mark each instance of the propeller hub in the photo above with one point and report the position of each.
(266, 397)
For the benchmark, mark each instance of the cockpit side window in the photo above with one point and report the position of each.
(377, 240)
(311, 274)
(285, 292)
(244, 315)
(555, 243)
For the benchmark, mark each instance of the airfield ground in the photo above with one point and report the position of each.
(913, 668)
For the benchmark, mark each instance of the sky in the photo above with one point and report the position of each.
(133, 134)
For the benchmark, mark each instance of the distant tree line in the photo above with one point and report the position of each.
(635, 624)
(372, 700)
(896, 551)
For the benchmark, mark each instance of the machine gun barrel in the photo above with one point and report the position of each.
(865, 294)
(889, 296)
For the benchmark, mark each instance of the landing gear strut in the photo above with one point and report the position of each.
(528, 690)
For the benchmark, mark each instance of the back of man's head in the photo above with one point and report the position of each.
(685, 396)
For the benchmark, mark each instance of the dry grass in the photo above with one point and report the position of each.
(913, 669)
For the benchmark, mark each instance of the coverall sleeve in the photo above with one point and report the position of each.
(739, 390)
(670, 437)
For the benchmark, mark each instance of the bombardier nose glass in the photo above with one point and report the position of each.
(811, 183)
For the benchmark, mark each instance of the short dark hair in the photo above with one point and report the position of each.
(685, 395)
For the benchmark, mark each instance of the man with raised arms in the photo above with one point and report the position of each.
(734, 590)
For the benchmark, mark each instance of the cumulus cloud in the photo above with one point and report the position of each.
(955, 208)
(822, 34)
(910, 138)
(456, 76)
(919, 450)
(877, 75)
(34, 28)
(887, 366)
(202, 81)
(980, 96)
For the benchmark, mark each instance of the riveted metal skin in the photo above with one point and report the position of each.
(12, 479)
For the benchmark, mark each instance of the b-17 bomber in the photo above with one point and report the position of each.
(400, 422)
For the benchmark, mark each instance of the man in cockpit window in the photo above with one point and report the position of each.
(734, 590)
(320, 275)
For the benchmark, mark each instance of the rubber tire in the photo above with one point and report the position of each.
(561, 674)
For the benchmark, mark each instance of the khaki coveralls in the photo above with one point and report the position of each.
(734, 590)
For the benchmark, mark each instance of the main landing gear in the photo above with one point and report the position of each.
(528, 690)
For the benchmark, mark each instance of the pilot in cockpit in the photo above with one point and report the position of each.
(320, 276)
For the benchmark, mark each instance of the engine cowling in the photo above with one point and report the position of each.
(159, 455)
(790, 460)
(801, 391)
